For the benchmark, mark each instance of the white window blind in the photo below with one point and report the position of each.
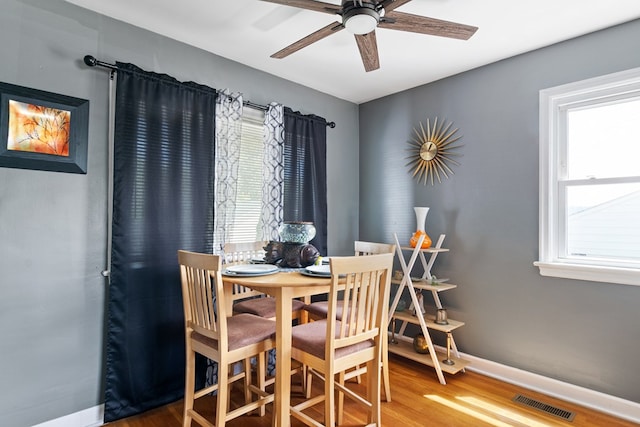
(246, 222)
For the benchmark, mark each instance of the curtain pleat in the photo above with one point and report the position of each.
(305, 179)
(163, 201)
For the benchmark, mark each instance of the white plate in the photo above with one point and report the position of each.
(251, 269)
(319, 270)
(306, 272)
(232, 274)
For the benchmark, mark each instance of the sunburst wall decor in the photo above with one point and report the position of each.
(431, 151)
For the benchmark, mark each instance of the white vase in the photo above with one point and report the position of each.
(421, 219)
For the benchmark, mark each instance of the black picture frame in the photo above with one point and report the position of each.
(74, 129)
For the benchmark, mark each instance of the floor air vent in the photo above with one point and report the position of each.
(544, 407)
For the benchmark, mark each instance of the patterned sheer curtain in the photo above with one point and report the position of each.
(228, 124)
(228, 132)
(273, 171)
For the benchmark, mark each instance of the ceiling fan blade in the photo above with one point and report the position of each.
(389, 5)
(368, 47)
(332, 28)
(423, 25)
(317, 6)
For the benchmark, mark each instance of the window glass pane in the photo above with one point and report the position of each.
(603, 141)
(602, 221)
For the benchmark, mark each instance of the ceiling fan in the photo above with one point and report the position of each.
(362, 17)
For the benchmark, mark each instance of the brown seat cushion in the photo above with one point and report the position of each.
(243, 330)
(263, 307)
(312, 337)
(319, 309)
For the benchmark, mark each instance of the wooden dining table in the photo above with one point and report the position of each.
(284, 286)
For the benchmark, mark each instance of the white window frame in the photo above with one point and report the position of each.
(553, 102)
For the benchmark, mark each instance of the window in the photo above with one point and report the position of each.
(246, 225)
(590, 179)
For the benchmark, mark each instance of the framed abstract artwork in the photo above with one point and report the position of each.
(43, 130)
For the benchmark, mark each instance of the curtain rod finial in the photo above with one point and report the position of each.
(90, 60)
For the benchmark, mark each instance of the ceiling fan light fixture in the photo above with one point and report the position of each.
(360, 20)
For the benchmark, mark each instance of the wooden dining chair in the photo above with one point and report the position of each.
(331, 346)
(248, 300)
(225, 339)
(319, 309)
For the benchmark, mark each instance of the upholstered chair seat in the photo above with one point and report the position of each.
(263, 307)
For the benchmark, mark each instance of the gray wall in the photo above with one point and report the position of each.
(53, 225)
(584, 333)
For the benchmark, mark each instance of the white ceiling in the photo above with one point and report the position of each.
(249, 31)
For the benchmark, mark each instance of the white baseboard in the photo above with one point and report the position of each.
(91, 417)
(612, 405)
(602, 402)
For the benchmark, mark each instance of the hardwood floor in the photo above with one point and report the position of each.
(468, 400)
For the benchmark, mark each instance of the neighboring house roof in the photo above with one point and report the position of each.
(610, 229)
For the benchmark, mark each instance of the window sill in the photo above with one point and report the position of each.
(623, 276)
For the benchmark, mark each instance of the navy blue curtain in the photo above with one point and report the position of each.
(162, 202)
(305, 172)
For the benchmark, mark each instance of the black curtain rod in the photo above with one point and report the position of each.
(91, 61)
(265, 108)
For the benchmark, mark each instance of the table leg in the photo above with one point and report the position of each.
(282, 400)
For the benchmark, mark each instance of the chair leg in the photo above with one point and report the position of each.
(223, 393)
(247, 381)
(189, 386)
(261, 375)
(303, 379)
(373, 391)
(231, 372)
(385, 370)
(358, 377)
(308, 383)
(330, 401)
(340, 409)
